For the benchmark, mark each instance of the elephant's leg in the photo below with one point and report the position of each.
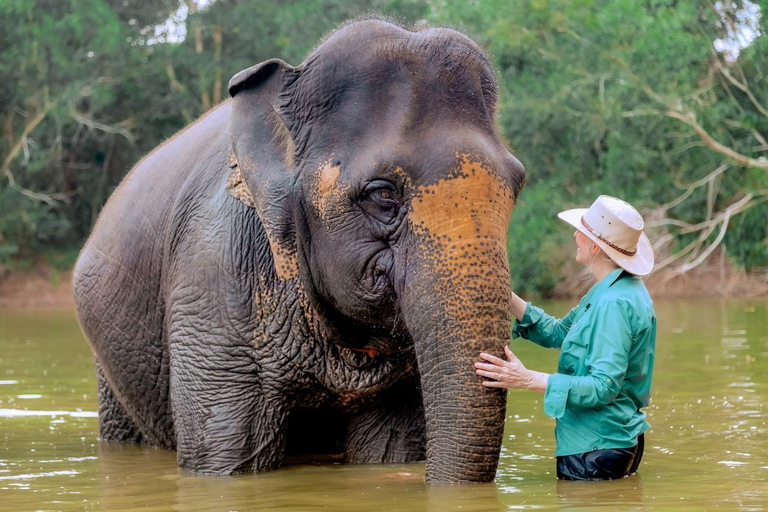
(224, 423)
(114, 423)
(122, 317)
(392, 432)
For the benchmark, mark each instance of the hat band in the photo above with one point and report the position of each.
(611, 245)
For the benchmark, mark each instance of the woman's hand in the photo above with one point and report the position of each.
(509, 374)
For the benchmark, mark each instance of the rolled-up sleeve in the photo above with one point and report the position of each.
(608, 338)
(556, 395)
(541, 328)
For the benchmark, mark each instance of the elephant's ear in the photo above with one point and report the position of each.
(263, 168)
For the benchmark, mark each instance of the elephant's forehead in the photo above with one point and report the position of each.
(472, 203)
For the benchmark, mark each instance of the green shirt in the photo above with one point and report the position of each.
(603, 376)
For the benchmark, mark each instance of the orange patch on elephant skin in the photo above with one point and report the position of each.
(284, 254)
(474, 205)
(327, 179)
(460, 224)
(286, 261)
(237, 188)
(328, 195)
(368, 351)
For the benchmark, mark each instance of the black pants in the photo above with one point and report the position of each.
(601, 464)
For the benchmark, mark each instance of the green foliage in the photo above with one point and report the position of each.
(108, 90)
(535, 241)
(587, 89)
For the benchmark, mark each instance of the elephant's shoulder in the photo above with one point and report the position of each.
(184, 151)
(137, 217)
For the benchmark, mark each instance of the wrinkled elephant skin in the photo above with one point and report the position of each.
(313, 266)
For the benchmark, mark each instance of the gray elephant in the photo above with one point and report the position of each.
(314, 265)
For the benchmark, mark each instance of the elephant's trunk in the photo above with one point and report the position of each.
(464, 420)
(458, 303)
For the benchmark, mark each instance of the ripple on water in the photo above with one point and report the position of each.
(744, 384)
(39, 475)
(20, 413)
(532, 456)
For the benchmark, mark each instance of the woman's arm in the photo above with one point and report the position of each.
(539, 327)
(518, 306)
(609, 338)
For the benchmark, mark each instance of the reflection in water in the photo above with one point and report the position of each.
(707, 447)
(624, 494)
(129, 478)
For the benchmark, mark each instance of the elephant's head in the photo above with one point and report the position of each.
(383, 186)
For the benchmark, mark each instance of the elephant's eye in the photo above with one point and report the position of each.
(381, 191)
(380, 200)
(383, 195)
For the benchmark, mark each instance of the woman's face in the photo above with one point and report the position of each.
(585, 248)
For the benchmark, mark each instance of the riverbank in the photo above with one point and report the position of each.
(40, 287)
(712, 280)
(46, 287)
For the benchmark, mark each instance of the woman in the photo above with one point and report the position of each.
(607, 346)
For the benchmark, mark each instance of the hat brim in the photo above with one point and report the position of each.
(639, 264)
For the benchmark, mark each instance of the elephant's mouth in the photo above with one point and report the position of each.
(362, 371)
(361, 358)
(376, 351)
(369, 353)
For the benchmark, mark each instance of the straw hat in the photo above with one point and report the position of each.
(617, 228)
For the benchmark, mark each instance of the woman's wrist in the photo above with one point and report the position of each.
(537, 381)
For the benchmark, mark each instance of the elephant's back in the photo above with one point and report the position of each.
(132, 227)
(143, 199)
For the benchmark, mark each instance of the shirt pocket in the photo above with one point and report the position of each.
(573, 353)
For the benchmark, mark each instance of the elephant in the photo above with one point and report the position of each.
(313, 266)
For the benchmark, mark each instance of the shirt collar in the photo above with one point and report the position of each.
(598, 288)
(612, 277)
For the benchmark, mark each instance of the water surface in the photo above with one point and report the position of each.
(707, 449)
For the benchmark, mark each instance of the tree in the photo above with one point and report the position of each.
(631, 99)
(63, 66)
(90, 86)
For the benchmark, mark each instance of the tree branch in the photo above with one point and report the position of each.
(739, 85)
(757, 135)
(16, 148)
(120, 128)
(661, 211)
(689, 118)
(175, 84)
(739, 206)
(706, 229)
(675, 110)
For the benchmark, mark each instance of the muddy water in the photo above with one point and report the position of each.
(707, 449)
